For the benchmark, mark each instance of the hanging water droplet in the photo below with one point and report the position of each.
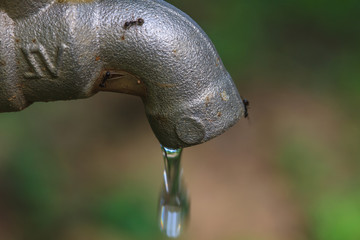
(173, 203)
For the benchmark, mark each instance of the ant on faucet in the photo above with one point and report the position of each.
(103, 81)
(246, 106)
(138, 22)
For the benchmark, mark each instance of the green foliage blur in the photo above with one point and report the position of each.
(48, 189)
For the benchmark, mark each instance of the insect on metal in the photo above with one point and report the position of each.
(246, 105)
(138, 22)
(103, 81)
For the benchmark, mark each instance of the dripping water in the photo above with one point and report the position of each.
(173, 203)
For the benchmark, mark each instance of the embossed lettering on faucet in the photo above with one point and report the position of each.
(42, 62)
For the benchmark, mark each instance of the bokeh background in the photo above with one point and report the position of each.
(91, 169)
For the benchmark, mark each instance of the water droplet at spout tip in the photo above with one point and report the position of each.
(171, 220)
(173, 202)
(171, 151)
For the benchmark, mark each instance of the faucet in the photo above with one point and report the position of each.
(71, 49)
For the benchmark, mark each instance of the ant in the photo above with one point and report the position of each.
(103, 81)
(138, 22)
(246, 106)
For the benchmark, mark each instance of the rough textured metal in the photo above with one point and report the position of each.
(64, 49)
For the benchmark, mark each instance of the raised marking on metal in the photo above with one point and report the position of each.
(43, 62)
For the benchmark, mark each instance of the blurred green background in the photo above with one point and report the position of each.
(91, 169)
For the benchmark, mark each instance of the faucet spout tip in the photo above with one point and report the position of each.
(206, 116)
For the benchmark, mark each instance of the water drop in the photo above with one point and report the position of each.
(173, 203)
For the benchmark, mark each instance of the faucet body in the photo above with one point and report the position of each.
(71, 49)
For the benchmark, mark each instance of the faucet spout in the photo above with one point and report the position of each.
(146, 48)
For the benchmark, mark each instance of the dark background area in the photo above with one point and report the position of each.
(91, 169)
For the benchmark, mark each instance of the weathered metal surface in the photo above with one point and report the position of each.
(60, 50)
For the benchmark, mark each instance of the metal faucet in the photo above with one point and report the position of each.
(71, 49)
